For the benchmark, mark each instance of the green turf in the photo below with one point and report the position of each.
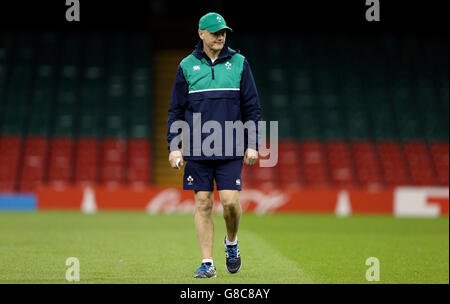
(141, 248)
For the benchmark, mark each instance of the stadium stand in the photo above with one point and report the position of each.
(367, 114)
(353, 112)
(74, 110)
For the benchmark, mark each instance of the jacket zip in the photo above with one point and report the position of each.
(212, 66)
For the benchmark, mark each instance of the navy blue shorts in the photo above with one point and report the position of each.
(200, 175)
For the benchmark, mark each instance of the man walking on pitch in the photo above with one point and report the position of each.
(214, 83)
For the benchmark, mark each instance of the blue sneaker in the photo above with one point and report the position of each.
(233, 258)
(205, 271)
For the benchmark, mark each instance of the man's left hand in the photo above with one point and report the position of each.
(250, 157)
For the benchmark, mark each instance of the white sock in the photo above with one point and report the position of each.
(207, 261)
(231, 243)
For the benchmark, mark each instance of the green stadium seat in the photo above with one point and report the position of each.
(435, 129)
(47, 49)
(20, 80)
(409, 127)
(42, 101)
(139, 120)
(325, 81)
(383, 124)
(4, 52)
(5, 45)
(115, 121)
(332, 124)
(23, 49)
(64, 125)
(357, 124)
(115, 126)
(140, 88)
(15, 106)
(301, 101)
(307, 125)
(71, 50)
(89, 125)
(141, 48)
(13, 125)
(66, 98)
(327, 101)
(351, 92)
(39, 124)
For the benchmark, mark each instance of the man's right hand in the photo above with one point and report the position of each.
(173, 157)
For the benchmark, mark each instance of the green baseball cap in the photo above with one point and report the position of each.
(212, 22)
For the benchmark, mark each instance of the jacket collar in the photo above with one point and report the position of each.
(224, 53)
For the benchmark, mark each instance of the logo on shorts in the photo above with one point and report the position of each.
(238, 181)
(190, 180)
(196, 68)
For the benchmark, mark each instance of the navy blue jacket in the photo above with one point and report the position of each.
(221, 91)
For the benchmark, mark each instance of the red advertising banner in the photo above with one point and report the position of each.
(401, 201)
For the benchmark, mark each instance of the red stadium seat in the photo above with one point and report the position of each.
(10, 147)
(34, 162)
(60, 163)
(393, 163)
(138, 162)
(247, 177)
(289, 164)
(264, 177)
(440, 156)
(367, 164)
(86, 161)
(419, 163)
(313, 164)
(340, 163)
(112, 162)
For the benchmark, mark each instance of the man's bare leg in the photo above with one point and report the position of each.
(232, 212)
(204, 224)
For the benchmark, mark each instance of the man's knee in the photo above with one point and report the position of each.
(230, 204)
(203, 203)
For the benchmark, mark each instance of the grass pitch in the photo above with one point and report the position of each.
(129, 247)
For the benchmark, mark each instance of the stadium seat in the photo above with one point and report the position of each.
(381, 114)
(313, 164)
(91, 102)
(116, 89)
(307, 125)
(140, 87)
(440, 156)
(138, 162)
(419, 163)
(34, 163)
(366, 164)
(333, 124)
(4, 54)
(340, 163)
(289, 164)
(15, 105)
(393, 163)
(10, 147)
(112, 162)
(60, 161)
(247, 178)
(265, 177)
(42, 101)
(86, 161)
(23, 48)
